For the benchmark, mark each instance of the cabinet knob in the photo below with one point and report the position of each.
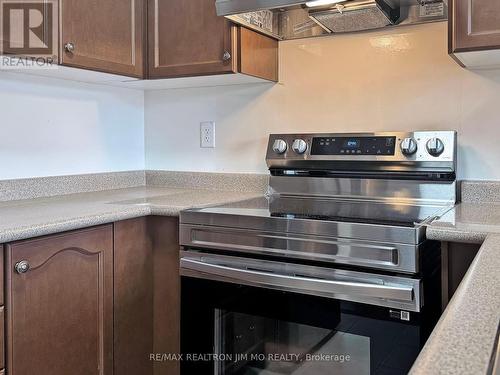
(69, 47)
(22, 267)
(226, 56)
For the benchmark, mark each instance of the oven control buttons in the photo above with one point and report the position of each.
(299, 146)
(408, 146)
(280, 146)
(435, 147)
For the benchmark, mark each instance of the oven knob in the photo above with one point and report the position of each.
(299, 146)
(280, 146)
(435, 147)
(408, 146)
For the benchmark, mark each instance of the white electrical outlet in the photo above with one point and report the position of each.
(207, 134)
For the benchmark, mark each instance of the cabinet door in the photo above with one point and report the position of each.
(475, 25)
(106, 35)
(164, 234)
(60, 309)
(146, 295)
(133, 298)
(187, 38)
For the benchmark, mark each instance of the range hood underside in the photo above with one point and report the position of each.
(293, 20)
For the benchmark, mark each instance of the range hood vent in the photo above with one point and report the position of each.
(356, 16)
(288, 19)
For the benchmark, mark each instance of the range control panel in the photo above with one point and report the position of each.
(286, 150)
(353, 146)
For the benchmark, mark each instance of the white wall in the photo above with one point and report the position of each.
(390, 80)
(55, 127)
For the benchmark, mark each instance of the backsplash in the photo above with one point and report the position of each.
(387, 80)
(56, 127)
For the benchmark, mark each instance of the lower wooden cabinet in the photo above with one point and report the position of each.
(2, 338)
(146, 295)
(94, 301)
(59, 304)
(133, 298)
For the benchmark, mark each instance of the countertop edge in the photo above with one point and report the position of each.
(23, 233)
(463, 340)
(455, 235)
(117, 212)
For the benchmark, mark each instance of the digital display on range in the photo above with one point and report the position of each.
(354, 146)
(352, 143)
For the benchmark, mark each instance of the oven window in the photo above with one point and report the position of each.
(248, 344)
(229, 329)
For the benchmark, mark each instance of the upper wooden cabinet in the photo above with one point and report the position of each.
(103, 35)
(159, 39)
(474, 27)
(60, 304)
(187, 38)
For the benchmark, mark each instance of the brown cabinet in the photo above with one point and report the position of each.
(95, 301)
(159, 39)
(2, 314)
(187, 38)
(133, 298)
(474, 28)
(103, 35)
(59, 304)
(146, 295)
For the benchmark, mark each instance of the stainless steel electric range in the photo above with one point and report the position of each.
(331, 272)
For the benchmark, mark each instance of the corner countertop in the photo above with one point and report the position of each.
(41, 216)
(466, 223)
(464, 340)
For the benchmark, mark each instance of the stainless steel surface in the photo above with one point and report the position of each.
(420, 161)
(226, 56)
(381, 290)
(291, 19)
(358, 200)
(350, 219)
(261, 221)
(394, 257)
(69, 47)
(22, 267)
(423, 193)
(226, 7)
(351, 16)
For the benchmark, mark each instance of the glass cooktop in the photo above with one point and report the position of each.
(327, 209)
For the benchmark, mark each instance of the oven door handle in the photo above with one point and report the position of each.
(302, 283)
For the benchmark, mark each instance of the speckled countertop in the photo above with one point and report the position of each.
(35, 217)
(467, 222)
(463, 342)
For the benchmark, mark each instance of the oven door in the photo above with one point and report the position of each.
(247, 316)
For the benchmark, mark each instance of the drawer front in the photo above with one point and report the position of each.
(384, 256)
